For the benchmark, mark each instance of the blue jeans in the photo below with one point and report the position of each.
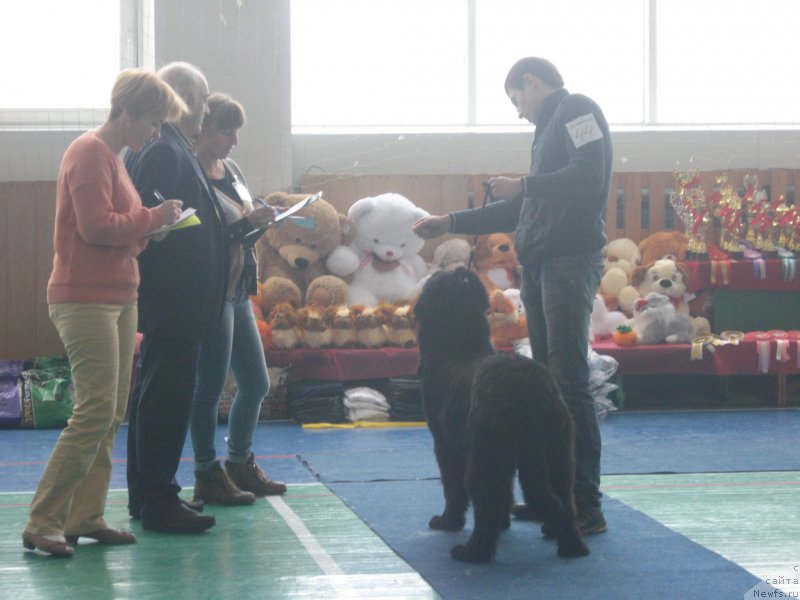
(558, 295)
(236, 344)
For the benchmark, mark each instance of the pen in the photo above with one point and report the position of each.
(262, 203)
(158, 196)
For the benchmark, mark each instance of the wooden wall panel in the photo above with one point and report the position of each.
(28, 210)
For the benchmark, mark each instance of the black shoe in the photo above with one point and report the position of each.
(195, 505)
(589, 520)
(176, 519)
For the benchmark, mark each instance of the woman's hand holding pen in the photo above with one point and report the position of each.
(170, 210)
(262, 215)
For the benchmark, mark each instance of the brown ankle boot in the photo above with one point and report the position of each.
(215, 487)
(249, 476)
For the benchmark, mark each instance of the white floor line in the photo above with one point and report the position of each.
(330, 567)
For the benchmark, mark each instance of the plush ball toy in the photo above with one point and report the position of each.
(382, 260)
(663, 244)
(604, 322)
(291, 254)
(496, 261)
(656, 322)
(622, 253)
(666, 277)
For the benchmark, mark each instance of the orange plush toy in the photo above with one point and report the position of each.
(505, 325)
(663, 244)
(496, 261)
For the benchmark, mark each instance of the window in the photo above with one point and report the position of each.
(61, 58)
(417, 63)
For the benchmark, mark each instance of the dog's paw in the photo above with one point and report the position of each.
(571, 546)
(444, 523)
(469, 553)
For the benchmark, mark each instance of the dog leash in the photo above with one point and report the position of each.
(487, 195)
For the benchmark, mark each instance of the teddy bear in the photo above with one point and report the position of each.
(663, 244)
(292, 253)
(655, 321)
(604, 322)
(620, 256)
(667, 277)
(382, 260)
(496, 261)
(450, 255)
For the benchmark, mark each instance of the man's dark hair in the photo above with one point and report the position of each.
(542, 68)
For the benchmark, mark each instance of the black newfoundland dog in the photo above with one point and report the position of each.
(491, 415)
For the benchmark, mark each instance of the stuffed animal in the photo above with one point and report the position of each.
(343, 326)
(604, 322)
(313, 327)
(620, 258)
(655, 321)
(496, 261)
(505, 326)
(663, 244)
(401, 328)
(292, 254)
(666, 277)
(515, 295)
(326, 290)
(449, 255)
(382, 260)
(370, 325)
(282, 321)
(622, 253)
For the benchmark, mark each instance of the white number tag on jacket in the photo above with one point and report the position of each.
(584, 130)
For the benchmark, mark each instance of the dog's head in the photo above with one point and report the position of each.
(664, 276)
(452, 300)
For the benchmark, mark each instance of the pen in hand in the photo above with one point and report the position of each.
(158, 196)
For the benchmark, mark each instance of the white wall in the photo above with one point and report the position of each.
(243, 48)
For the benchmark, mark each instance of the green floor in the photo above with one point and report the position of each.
(307, 544)
(752, 519)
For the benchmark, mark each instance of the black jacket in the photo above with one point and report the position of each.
(183, 277)
(563, 209)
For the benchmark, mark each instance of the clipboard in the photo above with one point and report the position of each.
(296, 207)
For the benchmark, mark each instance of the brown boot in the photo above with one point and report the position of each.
(215, 487)
(249, 476)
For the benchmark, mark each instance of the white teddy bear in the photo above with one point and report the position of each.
(383, 257)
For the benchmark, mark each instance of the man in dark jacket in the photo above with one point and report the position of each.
(558, 213)
(183, 284)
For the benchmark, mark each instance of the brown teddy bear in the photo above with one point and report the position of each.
(663, 244)
(291, 254)
(496, 261)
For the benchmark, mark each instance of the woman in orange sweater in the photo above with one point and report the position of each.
(101, 226)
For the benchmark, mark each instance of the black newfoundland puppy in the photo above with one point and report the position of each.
(491, 415)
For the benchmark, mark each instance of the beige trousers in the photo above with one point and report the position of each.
(100, 341)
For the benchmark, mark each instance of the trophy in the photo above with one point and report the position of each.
(728, 210)
(690, 205)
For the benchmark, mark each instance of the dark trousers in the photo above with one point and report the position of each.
(160, 405)
(558, 295)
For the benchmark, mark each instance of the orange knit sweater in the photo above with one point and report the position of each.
(100, 227)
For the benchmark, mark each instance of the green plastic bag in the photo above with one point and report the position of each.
(47, 393)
